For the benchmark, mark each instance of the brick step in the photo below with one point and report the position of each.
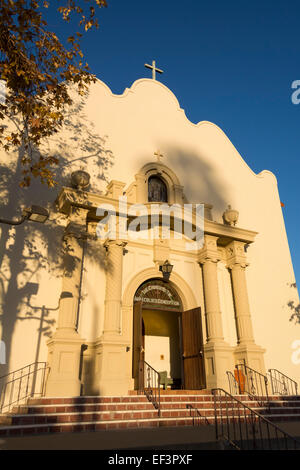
(86, 399)
(90, 413)
(123, 399)
(127, 406)
(164, 398)
(108, 425)
(93, 426)
(67, 417)
(98, 416)
(177, 392)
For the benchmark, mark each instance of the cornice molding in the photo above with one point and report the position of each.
(69, 198)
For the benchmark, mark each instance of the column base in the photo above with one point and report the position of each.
(218, 359)
(251, 355)
(113, 366)
(64, 361)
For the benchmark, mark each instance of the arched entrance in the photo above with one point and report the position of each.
(166, 337)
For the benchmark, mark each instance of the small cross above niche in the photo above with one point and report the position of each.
(158, 155)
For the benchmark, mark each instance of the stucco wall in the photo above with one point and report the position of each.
(112, 137)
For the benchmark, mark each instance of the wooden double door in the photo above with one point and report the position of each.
(190, 351)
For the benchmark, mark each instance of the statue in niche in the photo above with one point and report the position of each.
(157, 190)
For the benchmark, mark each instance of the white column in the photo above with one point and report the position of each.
(246, 350)
(113, 291)
(69, 299)
(65, 345)
(241, 302)
(218, 353)
(112, 346)
(211, 297)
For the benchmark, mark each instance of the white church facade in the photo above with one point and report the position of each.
(110, 307)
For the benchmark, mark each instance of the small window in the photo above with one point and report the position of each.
(157, 190)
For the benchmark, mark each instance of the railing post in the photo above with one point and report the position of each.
(159, 395)
(152, 389)
(216, 417)
(266, 387)
(141, 377)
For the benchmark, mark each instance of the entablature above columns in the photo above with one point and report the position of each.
(224, 235)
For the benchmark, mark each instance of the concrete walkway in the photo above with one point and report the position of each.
(165, 438)
(184, 438)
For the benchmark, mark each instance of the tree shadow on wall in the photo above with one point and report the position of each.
(31, 250)
(199, 179)
(294, 307)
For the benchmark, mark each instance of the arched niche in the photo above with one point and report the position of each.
(157, 189)
(166, 175)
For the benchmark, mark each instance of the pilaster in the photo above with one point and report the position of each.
(115, 189)
(141, 188)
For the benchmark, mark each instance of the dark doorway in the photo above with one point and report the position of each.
(167, 338)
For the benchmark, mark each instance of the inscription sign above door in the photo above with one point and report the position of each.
(157, 294)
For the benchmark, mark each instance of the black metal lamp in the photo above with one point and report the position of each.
(166, 270)
(37, 214)
(33, 213)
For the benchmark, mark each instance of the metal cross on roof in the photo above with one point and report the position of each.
(154, 69)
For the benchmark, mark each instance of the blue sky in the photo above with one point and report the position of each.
(230, 62)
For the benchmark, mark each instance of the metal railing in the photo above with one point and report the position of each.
(149, 384)
(27, 382)
(252, 382)
(198, 419)
(242, 428)
(233, 384)
(282, 384)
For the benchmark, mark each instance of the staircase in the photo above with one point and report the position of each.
(178, 408)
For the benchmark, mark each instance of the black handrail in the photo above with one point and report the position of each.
(252, 382)
(281, 383)
(149, 384)
(242, 428)
(197, 416)
(23, 383)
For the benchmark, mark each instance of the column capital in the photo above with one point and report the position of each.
(117, 243)
(235, 254)
(210, 250)
(237, 265)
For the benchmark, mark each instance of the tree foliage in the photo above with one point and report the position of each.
(37, 70)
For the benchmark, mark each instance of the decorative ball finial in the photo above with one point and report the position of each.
(230, 216)
(80, 180)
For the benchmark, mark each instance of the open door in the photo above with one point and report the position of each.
(138, 347)
(192, 350)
